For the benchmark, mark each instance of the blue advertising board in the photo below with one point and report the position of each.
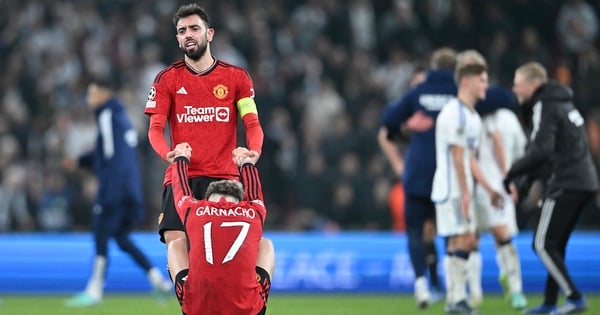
(306, 262)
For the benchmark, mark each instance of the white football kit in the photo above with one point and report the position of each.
(455, 125)
(514, 141)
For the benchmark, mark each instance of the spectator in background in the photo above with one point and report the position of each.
(417, 166)
(119, 201)
(54, 207)
(577, 28)
(14, 210)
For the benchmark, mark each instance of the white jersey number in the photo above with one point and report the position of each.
(239, 240)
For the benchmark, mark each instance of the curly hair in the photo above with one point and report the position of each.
(189, 10)
(226, 187)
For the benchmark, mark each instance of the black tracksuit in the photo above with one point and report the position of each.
(558, 139)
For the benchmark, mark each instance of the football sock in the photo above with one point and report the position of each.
(511, 266)
(155, 277)
(446, 265)
(457, 269)
(474, 265)
(95, 285)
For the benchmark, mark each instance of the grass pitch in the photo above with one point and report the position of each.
(279, 304)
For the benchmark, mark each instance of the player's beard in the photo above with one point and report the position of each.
(196, 54)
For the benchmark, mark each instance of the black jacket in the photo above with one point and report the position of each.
(558, 137)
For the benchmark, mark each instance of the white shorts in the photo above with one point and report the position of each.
(450, 221)
(487, 216)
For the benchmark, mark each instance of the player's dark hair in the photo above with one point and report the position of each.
(104, 81)
(191, 9)
(469, 70)
(226, 187)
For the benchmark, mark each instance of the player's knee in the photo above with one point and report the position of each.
(266, 246)
(266, 256)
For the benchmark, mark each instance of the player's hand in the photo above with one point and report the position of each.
(181, 149)
(419, 122)
(242, 155)
(497, 200)
(254, 156)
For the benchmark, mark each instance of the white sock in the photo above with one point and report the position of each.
(446, 264)
(157, 279)
(95, 285)
(457, 269)
(512, 267)
(474, 265)
(500, 263)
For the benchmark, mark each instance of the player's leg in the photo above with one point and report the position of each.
(93, 293)
(474, 268)
(509, 265)
(122, 235)
(265, 266)
(171, 231)
(452, 225)
(431, 255)
(414, 215)
(459, 249)
(558, 218)
(481, 204)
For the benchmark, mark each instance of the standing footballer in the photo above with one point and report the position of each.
(200, 98)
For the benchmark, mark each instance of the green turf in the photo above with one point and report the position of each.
(279, 304)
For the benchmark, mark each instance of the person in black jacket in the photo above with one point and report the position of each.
(558, 139)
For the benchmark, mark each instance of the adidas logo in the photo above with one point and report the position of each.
(181, 91)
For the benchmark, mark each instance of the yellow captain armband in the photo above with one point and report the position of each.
(246, 106)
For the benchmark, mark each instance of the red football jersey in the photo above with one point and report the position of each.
(202, 110)
(224, 238)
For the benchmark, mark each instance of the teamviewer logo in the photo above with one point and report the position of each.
(222, 114)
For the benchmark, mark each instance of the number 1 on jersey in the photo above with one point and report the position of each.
(239, 240)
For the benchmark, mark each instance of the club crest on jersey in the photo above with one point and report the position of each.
(220, 91)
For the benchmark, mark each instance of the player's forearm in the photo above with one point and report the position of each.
(179, 182)
(390, 151)
(479, 177)
(156, 135)
(251, 182)
(499, 151)
(254, 132)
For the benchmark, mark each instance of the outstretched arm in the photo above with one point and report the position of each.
(179, 184)
(156, 136)
(391, 151)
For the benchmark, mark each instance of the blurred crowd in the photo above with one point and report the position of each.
(323, 71)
